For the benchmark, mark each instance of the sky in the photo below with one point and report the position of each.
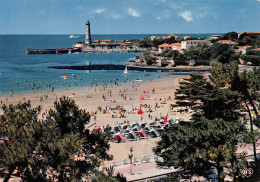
(128, 16)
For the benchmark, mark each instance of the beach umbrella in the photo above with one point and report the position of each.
(97, 128)
(141, 97)
(165, 119)
(139, 112)
(144, 91)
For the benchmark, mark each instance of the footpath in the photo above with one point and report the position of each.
(142, 171)
(145, 167)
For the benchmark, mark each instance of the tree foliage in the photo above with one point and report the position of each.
(59, 148)
(210, 139)
(230, 36)
(147, 42)
(246, 84)
(249, 39)
(194, 145)
(149, 57)
(204, 99)
(223, 53)
(201, 51)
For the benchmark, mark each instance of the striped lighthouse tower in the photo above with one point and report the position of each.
(88, 36)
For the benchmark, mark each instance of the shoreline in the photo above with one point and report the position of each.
(135, 68)
(125, 95)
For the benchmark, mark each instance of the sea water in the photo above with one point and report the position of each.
(20, 72)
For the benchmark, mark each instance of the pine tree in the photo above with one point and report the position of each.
(246, 83)
(57, 149)
(211, 137)
(194, 145)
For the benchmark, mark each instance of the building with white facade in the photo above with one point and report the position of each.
(174, 46)
(187, 44)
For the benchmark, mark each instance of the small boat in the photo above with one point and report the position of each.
(65, 77)
(125, 71)
(74, 36)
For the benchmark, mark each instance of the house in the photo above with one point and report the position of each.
(187, 44)
(154, 37)
(77, 45)
(96, 41)
(168, 36)
(228, 42)
(163, 47)
(106, 41)
(243, 49)
(177, 38)
(216, 36)
(187, 37)
(176, 46)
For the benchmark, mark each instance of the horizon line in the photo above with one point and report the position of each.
(109, 33)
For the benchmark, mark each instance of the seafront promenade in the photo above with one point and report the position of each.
(145, 167)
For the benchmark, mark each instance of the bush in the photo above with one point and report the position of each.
(255, 60)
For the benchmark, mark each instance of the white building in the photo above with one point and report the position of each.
(193, 43)
(174, 46)
(154, 37)
(215, 36)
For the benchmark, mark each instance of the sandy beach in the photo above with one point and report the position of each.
(158, 92)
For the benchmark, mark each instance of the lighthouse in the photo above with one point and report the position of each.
(88, 36)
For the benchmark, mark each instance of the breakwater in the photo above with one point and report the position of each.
(53, 51)
(132, 67)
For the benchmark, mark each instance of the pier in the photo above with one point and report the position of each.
(53, 51)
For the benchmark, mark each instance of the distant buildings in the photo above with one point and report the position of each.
(106, 41)
(243, 49)
(153, 37)
(229, 42)
(186, 37)
(163, 47)
(176, 37)
(187, 44)
(174, 46)
(96, 41)
(216, 36)
(249, 33)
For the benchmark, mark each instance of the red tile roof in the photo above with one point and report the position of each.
(175, 44)
(107, 40)
(164, 45)
(244, 47)
(216, 35)
(256, 49)
(252, 32)
(227, 42)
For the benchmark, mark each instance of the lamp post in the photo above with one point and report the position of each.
(130, 156)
